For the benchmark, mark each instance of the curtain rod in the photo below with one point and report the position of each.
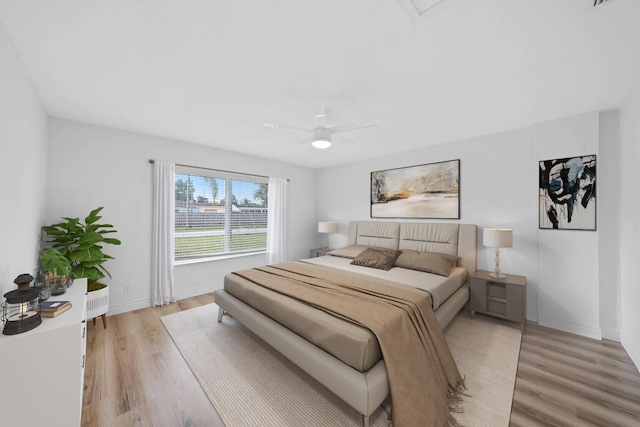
(217, 170)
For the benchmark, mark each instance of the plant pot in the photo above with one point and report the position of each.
(98, 304)
(58, 284)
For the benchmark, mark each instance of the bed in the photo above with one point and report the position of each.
(358, 377)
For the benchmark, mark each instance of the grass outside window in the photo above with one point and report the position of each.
(211, 246)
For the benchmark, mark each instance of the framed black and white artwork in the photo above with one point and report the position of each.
(567, 193)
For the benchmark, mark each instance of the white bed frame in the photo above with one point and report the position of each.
(363, 391)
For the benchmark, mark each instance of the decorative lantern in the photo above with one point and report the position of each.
(20, 312)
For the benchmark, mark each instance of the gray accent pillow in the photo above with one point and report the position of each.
(431, 262)
(350, 251)
(379, 258)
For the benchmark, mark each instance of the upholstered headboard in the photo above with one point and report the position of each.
(446, 238)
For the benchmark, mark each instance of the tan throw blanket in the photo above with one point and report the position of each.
(423, 377)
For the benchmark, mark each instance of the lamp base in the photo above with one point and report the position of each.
(496, 273)
(30, 321)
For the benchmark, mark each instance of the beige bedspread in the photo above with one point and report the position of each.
(352, 344)
(423, 376)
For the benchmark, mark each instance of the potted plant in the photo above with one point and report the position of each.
(54, 274)
(81, 244)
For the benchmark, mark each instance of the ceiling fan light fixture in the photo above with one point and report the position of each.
(321, 144)
(321, 138)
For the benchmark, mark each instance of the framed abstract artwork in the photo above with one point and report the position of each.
(424, 191)
(567, 193)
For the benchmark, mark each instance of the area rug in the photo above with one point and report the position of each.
(251, 384)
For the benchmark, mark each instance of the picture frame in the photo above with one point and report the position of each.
(567, 193)
(428, 191)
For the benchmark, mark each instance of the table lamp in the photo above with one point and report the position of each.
(327, 228)
(497, 238)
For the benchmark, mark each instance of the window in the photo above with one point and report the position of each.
(206, 225)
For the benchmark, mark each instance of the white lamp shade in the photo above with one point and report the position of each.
(327, 227)
(497, 237)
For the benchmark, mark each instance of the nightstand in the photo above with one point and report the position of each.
(503, 298)
(313, 253)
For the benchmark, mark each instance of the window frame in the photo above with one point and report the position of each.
(228, 177)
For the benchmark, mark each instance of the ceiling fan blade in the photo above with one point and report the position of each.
(343, 140)
(306, 140)
(277, 126)
(354, 126)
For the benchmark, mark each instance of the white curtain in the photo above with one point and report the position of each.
(277, 221)
(162, 240)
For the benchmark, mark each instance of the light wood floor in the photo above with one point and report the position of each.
(135, 376)
(567, 380)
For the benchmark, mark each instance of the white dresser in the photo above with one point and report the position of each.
(42, 371)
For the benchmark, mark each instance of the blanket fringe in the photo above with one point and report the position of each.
(455, 396)
(452, 422)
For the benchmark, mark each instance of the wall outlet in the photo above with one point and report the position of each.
(126, 290)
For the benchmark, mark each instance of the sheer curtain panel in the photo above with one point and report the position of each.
(277, 221)
(163, 234)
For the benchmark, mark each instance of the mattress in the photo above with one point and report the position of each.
(354, 345)
(440, 287)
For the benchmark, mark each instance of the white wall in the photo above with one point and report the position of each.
(23, 139)
(499, 181)
(609, 196)
(568, 271)
(97, 166)
(629, 228)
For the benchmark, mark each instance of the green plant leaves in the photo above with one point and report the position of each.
(55, 262)
(89, 238)
(81, 244)
(91, 273)
(93, 216)
(111, 241)
(90, 253)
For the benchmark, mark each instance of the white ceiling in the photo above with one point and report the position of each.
(211, 72)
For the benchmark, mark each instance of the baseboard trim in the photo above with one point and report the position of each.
(128, 306)
(611, 334)
(147, 302)
(632, 348)
(585, 331)
(194, 292)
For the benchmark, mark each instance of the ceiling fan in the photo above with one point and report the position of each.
(323, 136)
